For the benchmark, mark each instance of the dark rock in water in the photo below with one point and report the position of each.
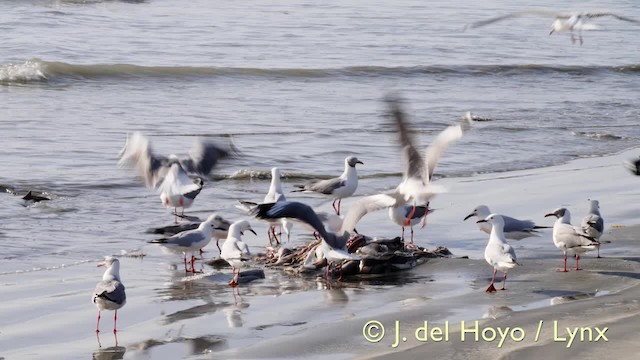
(35, 197)
(217, 263)
(248, 276)
(173, 229)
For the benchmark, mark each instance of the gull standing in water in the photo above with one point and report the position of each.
(170, 175)
(109, 293)
(514, 229)
(498, 253)
(593, 223)
(192, 241)
(567, 22)
(338, 188)
(234, 250)
(567, 237)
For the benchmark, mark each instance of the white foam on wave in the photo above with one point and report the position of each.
(30, 70)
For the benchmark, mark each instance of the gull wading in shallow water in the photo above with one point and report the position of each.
(109, 293)
(567, 22)
(514, 229)
(338, 188)
(498, 253)
(192, 241)
(234, 250)
(170, 175)
(593, 223)
(569, 238)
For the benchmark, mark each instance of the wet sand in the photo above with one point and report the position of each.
(48, 314)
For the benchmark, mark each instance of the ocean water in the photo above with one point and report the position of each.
(295, 84)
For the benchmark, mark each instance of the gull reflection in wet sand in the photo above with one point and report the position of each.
(110, 353)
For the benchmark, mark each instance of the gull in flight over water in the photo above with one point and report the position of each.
(514, 229)
(109, 293)
(170, 175)
(338, 188)
(498, 253)
(569, 238)
(562, 22)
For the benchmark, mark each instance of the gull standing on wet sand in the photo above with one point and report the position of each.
(568, 22)
(338, 188)
(171, 174)
(192, 241)
(567, 237)
(514, 229)
(593, 223)
(234, 250)
(498, 253)
(109, 293)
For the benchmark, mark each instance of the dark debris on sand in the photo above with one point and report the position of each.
(379, 256)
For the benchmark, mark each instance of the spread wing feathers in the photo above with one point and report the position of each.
(518, 14)
(368, 204)
(138, 154)
(110, 290)
(602, 14)
(413, 162)
(177, 182)
(446, 138)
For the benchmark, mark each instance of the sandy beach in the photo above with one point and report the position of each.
(47, 313)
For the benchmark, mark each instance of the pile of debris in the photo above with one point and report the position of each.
(378, 256)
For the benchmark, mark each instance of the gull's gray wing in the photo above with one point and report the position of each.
(413, 162)
(138, 154)
(183, 239)
(511, 224)
(204, 156)
(326, 187)
(111, 290)
(592, 221)
(602, 14)
(518, 14)
(420, 211)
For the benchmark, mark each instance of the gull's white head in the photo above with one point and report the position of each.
(240, 227)
(481, 211)
(275, 173)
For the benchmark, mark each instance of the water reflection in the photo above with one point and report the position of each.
(109, 353)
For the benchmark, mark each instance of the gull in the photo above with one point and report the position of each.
(498, 253)
(194, 240)
(338, 188)
(276, 194)
(514, 229)
(109, 293)
(170, 175)
(417, 173)
(567, 237)
(333, 246)
(399, 215)
(234, 250)
(593, 223)
(563, 22)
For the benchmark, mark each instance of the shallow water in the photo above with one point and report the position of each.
(296, 85)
